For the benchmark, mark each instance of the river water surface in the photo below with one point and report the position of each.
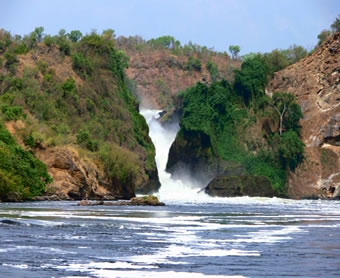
(242, 237)
(193, 236)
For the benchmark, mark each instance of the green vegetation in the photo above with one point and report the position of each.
(222, 114)
(278, 59)
(193, 64)
(213, 70)
(234, 50)
(251, 79)
(335, 26)
(324, 34)
(75, 35)
(91, 108)
(20, 172)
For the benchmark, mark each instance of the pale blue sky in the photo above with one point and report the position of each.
(255, 25)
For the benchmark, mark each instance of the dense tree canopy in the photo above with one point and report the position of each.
(251, 79)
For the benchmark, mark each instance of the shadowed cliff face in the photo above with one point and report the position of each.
(315, 81)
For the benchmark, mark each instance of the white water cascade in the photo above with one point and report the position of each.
(183, 188)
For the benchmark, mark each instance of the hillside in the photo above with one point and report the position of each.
(66, 101)
(162, 67)
(315, 81)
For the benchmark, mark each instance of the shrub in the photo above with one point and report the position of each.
(92, 145)
(29, 141)
(83, 136)
(69, 87)
(291, 150)
(251, 80)
(49, 41)
(64, 46)
(120, 165)
(20, 171)
(213, 70)
(21, 48)
(11, 59)
(82, 65)
(11, 112)
(75, 35)
(193, 64)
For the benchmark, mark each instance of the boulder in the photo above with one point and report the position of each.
(235, 186)
(76, 178)
(146, 201)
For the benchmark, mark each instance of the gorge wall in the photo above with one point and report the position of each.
(315, 81)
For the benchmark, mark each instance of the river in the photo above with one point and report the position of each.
(193, 236)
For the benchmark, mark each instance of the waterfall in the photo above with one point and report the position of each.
(183, 188)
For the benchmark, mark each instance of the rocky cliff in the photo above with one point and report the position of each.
(315, 81)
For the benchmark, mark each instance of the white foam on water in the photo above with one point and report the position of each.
(20, 266)
(109, 270)
(158, 274)
(46, 250)
(267, 236)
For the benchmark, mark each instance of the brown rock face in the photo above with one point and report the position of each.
(76, 178)
(315, 81)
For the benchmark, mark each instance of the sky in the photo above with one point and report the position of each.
(254, 25)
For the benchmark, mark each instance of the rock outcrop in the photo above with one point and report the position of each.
(315, 81)
(193, 156)
(76, 178)
(236, 186)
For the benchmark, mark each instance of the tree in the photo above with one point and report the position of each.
(165, 41)
(213, 70)
(109, 34)
(289, 112)
(62, 33)
(35, 37)
(234, 50)
(276, 60)
(75, 35)
(39, 33)
(193, 64)
(336, 25)
(251, 80)
(296, 53)
(323, 36)
(291, 150)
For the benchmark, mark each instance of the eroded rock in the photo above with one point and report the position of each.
(75, 178)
